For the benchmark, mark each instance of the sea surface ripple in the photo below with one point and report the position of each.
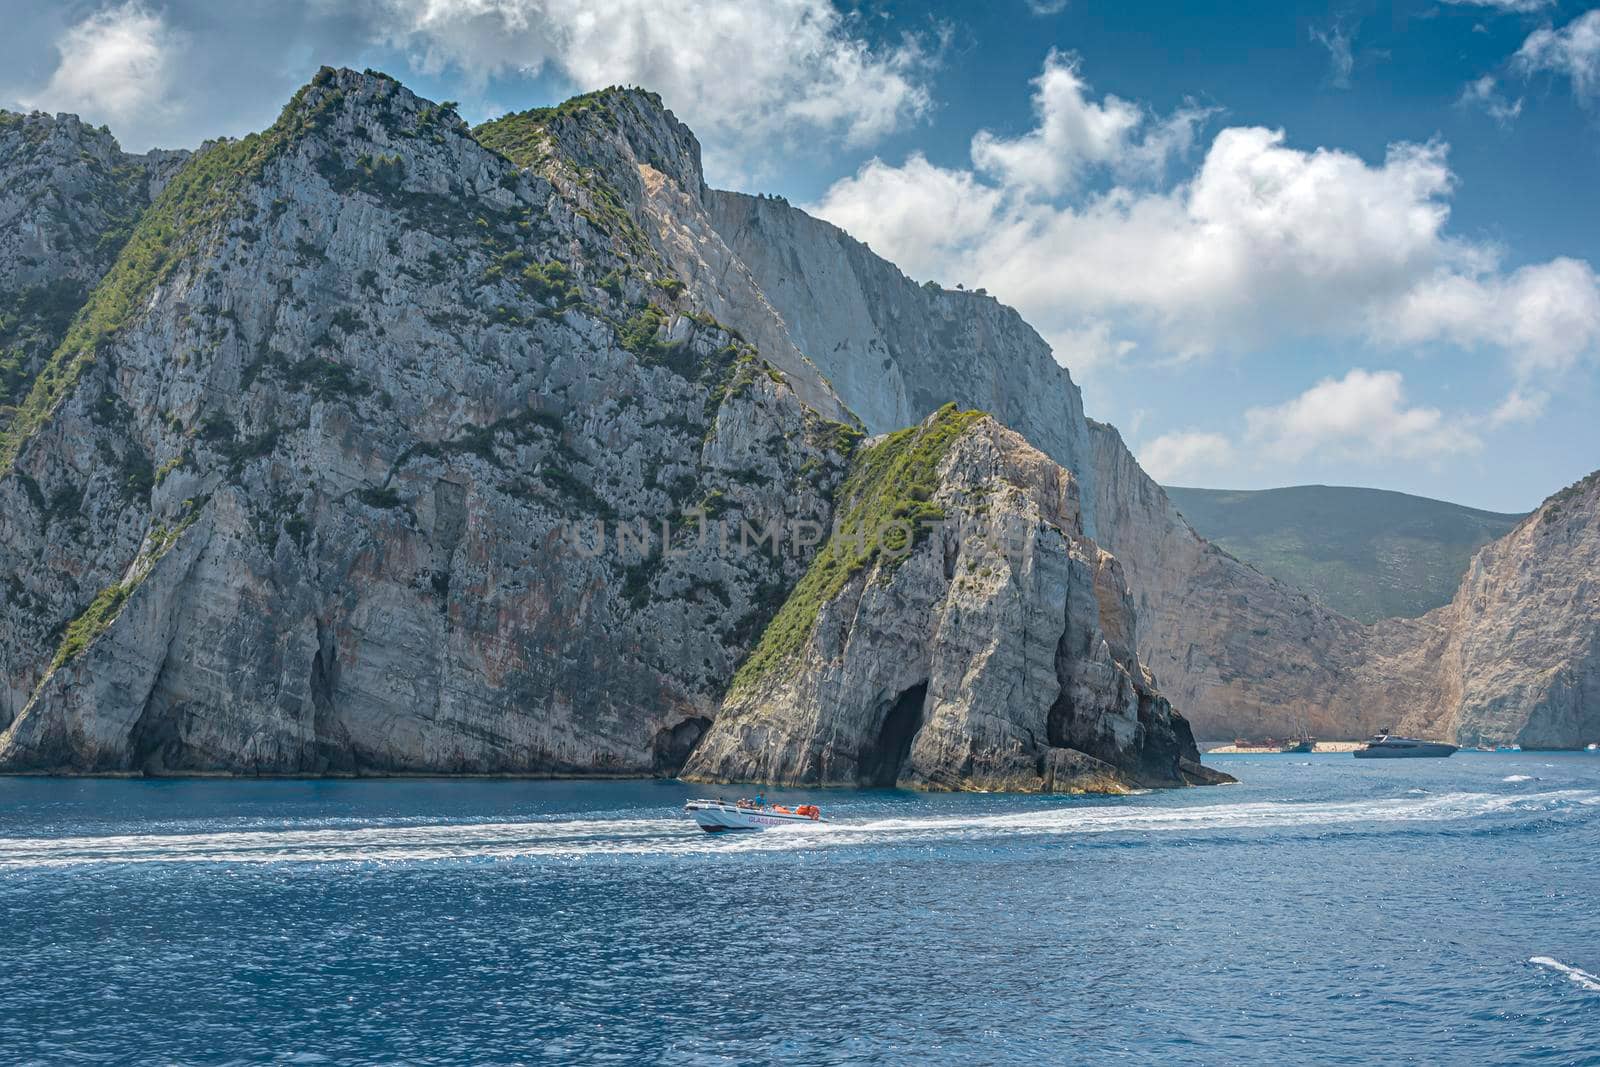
(1325, 910)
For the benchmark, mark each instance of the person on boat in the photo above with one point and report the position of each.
(761, 800)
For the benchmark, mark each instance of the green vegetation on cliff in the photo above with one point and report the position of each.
(885, 501)
(187, 211)
(1367, 553)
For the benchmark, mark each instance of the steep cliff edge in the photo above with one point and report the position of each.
(1515, 657)
(1239, 652)
(895, 350)
(1246, 653)
(294, 492)
(956, 632)
(295, 489)
(69, 197)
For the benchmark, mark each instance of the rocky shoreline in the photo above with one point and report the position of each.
(279, 496)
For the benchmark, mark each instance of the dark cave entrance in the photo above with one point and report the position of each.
(880, 767)
(674, 744)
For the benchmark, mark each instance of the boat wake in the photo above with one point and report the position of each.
(1583, 978)
(631, 834)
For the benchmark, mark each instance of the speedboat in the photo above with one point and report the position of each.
(717, 816)
(1391, 746)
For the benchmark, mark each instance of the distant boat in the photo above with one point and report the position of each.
(1390, 746)
(1591, 747)
(1305, 744)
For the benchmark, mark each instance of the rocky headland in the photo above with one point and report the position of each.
(297, 430)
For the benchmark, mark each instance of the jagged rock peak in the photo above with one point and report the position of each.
(610, 130)
(69, 197)
(287, 498)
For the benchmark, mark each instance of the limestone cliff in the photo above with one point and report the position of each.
(69, 197)
(288, 497)
(1515, 657)
(1236, 650)
(293, 449)
(982, 644)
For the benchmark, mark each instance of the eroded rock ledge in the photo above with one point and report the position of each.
(993, 651)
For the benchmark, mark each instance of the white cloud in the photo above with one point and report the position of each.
(1074, 133)
(1173, 457)
(1504, 5)
(1341, 60)
(1262, 244)
(731, 69)
(1519, 406)
(929, 215)
(1485, 93)
(1573, 50)
(1362, 415)
(1545, 316)
(114, 67)
(1089, 348)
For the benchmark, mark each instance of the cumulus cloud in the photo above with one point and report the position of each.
(1363, 415)
(114, 67)
(753, 79)
(759, 70)
(929, 216)
(1173, 457)
(1074, 133)
(1545, 316)
(1262, 244)
(1572, 51)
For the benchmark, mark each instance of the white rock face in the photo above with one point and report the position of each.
(896, 351)
(68, 198)
(295, 503)
(995, 655)
(1238, 652)
(303, 506)
(1515, 657)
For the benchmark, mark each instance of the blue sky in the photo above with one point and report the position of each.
(1275, 242)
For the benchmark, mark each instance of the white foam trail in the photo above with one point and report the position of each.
(1583, 978)
(1517, 778)
(668, 836)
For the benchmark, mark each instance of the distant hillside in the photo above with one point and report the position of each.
(1367, 553)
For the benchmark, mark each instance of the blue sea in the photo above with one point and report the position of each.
(1325, 910)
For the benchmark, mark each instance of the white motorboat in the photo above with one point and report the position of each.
(717, 816)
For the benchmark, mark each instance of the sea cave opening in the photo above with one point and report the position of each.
(880, 767)
(674, 744)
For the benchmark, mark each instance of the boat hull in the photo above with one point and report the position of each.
(1419, 750)
(717, 817)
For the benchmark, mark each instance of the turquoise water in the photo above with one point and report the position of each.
(1326, 910)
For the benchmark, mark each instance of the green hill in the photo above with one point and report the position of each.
(1368, 553)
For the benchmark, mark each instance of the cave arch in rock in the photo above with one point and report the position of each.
(880, 764)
